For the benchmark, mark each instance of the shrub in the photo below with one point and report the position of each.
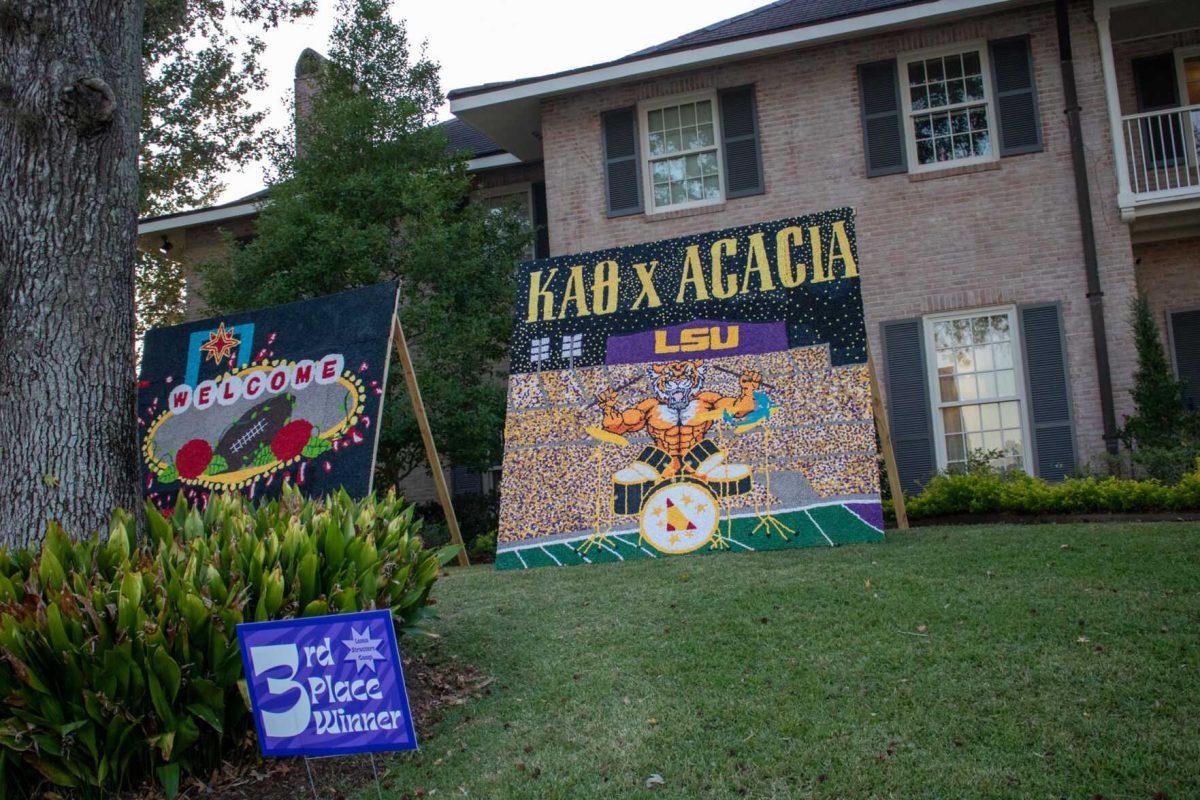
(1163, 435)
(1015, 492)
(119, 659)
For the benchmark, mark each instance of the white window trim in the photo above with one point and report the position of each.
(644, 108)
(934, 388)
(1181, 55)
(522, 187)
(989, 100)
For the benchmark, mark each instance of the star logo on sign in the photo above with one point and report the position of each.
(363, 650)
(221, 344)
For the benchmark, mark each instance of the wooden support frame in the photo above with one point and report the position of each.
(885, 442)
(431, 453)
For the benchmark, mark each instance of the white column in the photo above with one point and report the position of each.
(1109, 68)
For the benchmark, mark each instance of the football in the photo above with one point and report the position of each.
(254, 429)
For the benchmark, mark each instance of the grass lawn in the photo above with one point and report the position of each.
(981, 662)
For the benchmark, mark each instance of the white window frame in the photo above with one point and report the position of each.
(989, 101)
(1181, 55)
(644, 108)
(934, 387)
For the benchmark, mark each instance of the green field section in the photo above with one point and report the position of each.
(818, 526)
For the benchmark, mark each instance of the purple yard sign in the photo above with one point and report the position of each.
(325, 686)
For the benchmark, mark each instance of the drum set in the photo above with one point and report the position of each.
(683, 512)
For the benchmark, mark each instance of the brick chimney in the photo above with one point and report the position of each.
(308, 68)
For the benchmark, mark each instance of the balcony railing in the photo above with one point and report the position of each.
(1162, 152)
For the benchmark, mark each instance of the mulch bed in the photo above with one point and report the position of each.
(432, 688)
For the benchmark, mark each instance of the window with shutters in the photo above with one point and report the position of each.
(681, 147)
(949, 120)
(978, 391)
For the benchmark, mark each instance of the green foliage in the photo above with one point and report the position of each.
(118, 658)
(483, 549)
(1163, 434)
(371, 195)
(201, 61)
(1016, 492)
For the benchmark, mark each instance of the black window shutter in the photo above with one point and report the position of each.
(1185, 344)
(1046, 377)
(883, 128)
(621, 169)
(541, 230)
(908, 409)
(1020, 125)
(743, 155)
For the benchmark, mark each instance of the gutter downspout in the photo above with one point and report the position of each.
(1083, 198)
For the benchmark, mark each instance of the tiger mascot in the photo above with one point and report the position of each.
(678, 416)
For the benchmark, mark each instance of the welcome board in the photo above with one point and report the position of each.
(248, 401)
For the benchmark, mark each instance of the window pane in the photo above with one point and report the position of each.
(955, 448)
(971, 63)
(953, 66)
(662, 171)
(974, 88)
(692, 166)
(678, 195)
(687, 114)
(654, 120)
(981, 144)
(1010, 415)
(987, 384)
(983, 357)
(1003, 353)
(952, 420)
(662, 195)
(674, 141)
(974, 442)
(933, 70)
(990, 416)
(920, 98)
(1006, 383)
(708, 163)
(704, 111)
(704, 135)
(712, 187)
(916, 73)
(967, 390)
(937, 95)
(925, 152)
(993, 440)
(657, 144)
(970, 417)
(695, 189)
(948, 390)
(671, 117)
(956, 92)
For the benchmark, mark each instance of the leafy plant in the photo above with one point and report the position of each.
(119, 659)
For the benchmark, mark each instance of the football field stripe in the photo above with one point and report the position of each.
(517, 553)
(641, 547)
(547, 552)
(821, 530)
(844, 525)
(632, 552)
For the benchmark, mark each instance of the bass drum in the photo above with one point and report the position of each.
(679, 516)
(631, 485)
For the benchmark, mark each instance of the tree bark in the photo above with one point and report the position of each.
(70, 104)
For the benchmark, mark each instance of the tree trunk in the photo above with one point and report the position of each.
(70, 103)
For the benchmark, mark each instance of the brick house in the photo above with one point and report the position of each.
(1019, 169)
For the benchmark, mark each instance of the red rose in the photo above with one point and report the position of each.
(193, 458)
(289, 442)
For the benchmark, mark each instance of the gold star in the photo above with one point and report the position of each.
(221, 344)
(685, 500)
(657, 511)
(674, 538)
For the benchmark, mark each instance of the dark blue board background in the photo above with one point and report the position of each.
(355, 323)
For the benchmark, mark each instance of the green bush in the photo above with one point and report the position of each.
(1015, 492)
(119, 660)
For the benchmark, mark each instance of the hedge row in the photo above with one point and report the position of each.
(1016, 492)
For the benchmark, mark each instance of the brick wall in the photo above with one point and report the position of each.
(1125, 52)
(1001, 235)
(1169, 274)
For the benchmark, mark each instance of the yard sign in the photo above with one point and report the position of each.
(323, 686)
(248, 401)
(710, 392)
